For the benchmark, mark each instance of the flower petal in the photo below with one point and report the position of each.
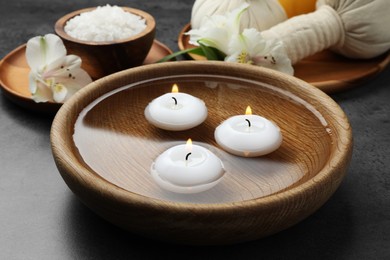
(54, 76)
(59, 92)
(251, 48)
(62, 67)
(277, 57)
(234, 18)
(233, 57)
(79, 80)
(216, 31)
(43, 50)
(32, 80)
(42, 93)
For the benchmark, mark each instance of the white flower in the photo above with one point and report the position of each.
(54, 76)
(217, 30)
(251, 48)
(223, 33)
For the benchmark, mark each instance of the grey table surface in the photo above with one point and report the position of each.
(40, 218)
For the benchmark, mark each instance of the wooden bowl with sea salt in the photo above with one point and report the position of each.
(107, 42)
(104, 148)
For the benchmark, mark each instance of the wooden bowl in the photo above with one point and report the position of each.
(103, 58)
(104, 147)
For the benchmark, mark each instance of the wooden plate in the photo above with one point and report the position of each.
(326, 70)
(104, 147)
(14, 77)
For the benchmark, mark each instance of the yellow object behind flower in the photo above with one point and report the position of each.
(297, 7)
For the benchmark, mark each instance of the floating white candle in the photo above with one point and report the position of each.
(248, 135)
(187, 169)
(176, 111)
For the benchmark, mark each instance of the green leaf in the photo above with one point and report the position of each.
(209, 52)
(220, 54)
(197, 50)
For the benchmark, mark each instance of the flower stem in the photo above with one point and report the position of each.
(209, 52)
(196, 50)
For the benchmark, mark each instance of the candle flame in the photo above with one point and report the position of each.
(189, 145)
(248, 110)
(175, 88)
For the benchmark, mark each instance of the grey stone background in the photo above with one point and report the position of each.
(41, 219)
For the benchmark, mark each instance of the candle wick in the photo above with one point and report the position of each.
(188, 155)
(175, 100)
(249, 122)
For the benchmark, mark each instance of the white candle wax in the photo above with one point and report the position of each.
(248, 135)
(176, 111)
(181, 171)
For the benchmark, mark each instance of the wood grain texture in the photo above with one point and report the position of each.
(326, 70)
(104, 58)
(105, 156)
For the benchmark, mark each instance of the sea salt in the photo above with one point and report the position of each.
(105, 23)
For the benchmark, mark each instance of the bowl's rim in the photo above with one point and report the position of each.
(62, 152)
(59, 27)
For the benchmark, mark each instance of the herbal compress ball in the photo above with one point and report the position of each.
(353, 28)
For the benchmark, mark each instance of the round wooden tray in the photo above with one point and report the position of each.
(104, 147)
(14, 77)
(326, 70)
